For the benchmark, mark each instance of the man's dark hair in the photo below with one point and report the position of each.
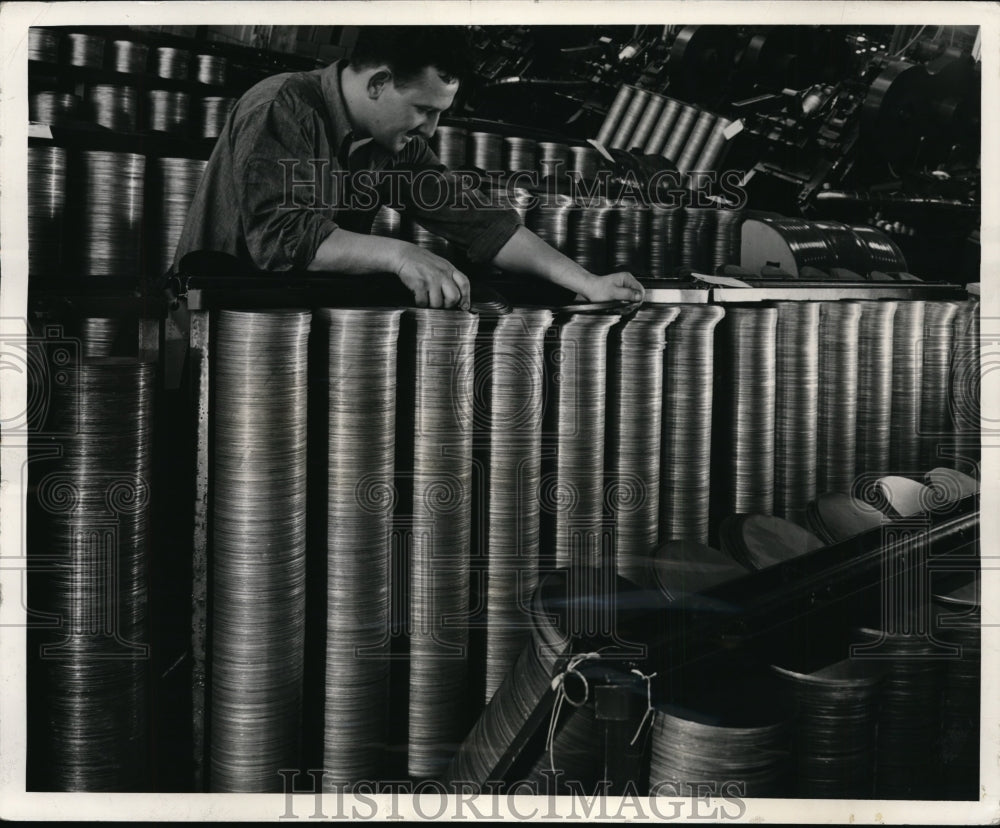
(408, 50)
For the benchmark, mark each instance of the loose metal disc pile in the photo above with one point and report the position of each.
(485, 151)
(85, 50)
(214, 112)
(552, 159)
(128, 56)
(760, 541)
(111, 186)
(98, 335)
(516, 401)
(934, 420)
(883, 254)
(552, 220)
(167, 111)
(519, 154)
(360, 350)
(259, 546)
(875, 339)
(835, 516)
(176, 181)
(745, 387)
(113, 106)
(835, 729)
(443, 347)
(629, 250)
(449, 145)
(172, 63)
(687, 424)
(695, 142)
(584, 162)
(698, 239)
(907, 384)
(838, 396)
(388, 223)
(726, 246)
(92, 669)
(680, 568)
(571, 493)
(664, 241)
(46, 205)
(43, 45)
(590, 247)
(796, 408)
(53, 108)
(634, 426)
(211, 70)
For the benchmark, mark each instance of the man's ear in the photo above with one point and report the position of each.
(377, 82)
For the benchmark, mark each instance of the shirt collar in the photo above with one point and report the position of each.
(343, 132)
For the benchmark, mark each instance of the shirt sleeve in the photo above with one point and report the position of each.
(281, 185)
(450, 204)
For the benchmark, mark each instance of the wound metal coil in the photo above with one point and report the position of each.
(211, 69)
(450, 145)
(875, 336)
(663, 127)
(46, 208)
(128, 56)
(907, 385)
(214, 114)
(43, 45)
(650, 115)
(695, 142)
(85, 50)
(630, 120)
(935, 422)
(836, 442)
(172, 63)
(679, 134)
(114, 107)
(615, 114)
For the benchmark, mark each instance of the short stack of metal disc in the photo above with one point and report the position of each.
(726, 245)
(634, 430)
(695, 143)
(211, 69)
(698, 239)
(43, 45)
(836, 516)
(629, 239)
(571, 493)
(907, 385)
(664, 241)
(90, 671)
(965, 385)
(837, 396)
(746, 374)
(443, 347)
(796, 408)
(875, 338)
(128, 56)
(359, 360)
(114, 107)
(450, 145)
(934, 418)
(760, 541)
(53, 108)
(387, 223)
(259, 548)
(85, 50)
(519, 154)
(835, 729)
(883, 253)
(214, 112)
(98, 335)
(173, 186)
(662, 128)
(584, 162)
(553, 220)
(485, 151)
(590, 239)
(172, 63)
(553, 159)
(46, 208)
(109, 189)
(685, 474)
(167, 111)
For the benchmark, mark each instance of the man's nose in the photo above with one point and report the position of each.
(429, 126)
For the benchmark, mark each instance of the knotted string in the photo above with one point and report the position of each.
(558, 684)
(649, 702)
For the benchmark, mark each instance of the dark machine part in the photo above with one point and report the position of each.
(702, 63)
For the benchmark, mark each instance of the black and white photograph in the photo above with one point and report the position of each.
(509, 411)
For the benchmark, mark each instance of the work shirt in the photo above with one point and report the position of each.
(283, 176)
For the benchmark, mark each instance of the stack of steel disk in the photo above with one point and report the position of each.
(571, 492)
(965, 384)
(674, 145)
(622, 138)
(838, 396)
(424, 238)
(907, 764)
(807, 245)
(517, 199)
(687, 424)
(883, 254)
(128, 56)
(680, 568)
(85, 50)
(110, 188)
(836, 516)
(698, 239)
(584, 162)
(259, 544)
(167, 111)
(91, 673)
(662, 128)
(590, 247)
(98, 335)
(934, 421)
(53, 108)
(664, 241)
(175, 182)
(359, 358)
(43, 45)
(449, 145)
(760, 541)
(443, 346)
(745, 405)
(835, 729)
(846, 248)
(113, 106)
(552, 220)
(735, 733)
(875, 338)
(907, 384)
(214, 112)
(714, 145)
(726, 247)
(634, 425)
(172, 63)
(552, 159)
(519, 154)
(629, 239)
(211, 70)
(615, 113)
(796, 408)
(700, 131)
(647, 123)
(515, 402)
(485, 151)
(388, 223)
(46, 205)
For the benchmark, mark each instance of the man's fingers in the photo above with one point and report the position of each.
(420, 297)
(434, 297)
(450, 292)
(462, 281)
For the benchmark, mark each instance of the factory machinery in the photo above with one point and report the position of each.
(729, 536)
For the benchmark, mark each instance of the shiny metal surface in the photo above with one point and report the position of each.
(874, 420)
(112, 186)
(907, 387)
(174, 183)
(46, 208)
(114, 107)
(837, 405)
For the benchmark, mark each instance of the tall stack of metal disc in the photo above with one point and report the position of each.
(836, 440)
(167, 111)
(907, 385)
(622, 138)
(746, 376)
(571, 492)
(98, 335)
(109, 189)
(874, 419)
(674, 145)
(485, 151)
(437, 447)
(388, 223)
(553, 159)
(214, 112)
(714, 145)
(53, 108)
(175, 182)
(519, 154)
(662, 128)
(634, 428)
(211, 69)
(43, 45)
(449, 145)
(90, 672)
(46, 206)
(698, 239)
(584, 162)
(359, 360)
(965, 385)
(513, 419)
(695, 143)
(615, 113)
(664, 241)
(629, 240)
(128, 56)
(796, 408)
(552, 220)
(172, 63)
(685, 469)
(590, 241)
(647, 122)
(934, 420)
(726, 246)
(113, 106)
(85, 50)
(259, 547)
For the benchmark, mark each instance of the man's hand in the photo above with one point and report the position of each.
(434, 281)
(622, 287)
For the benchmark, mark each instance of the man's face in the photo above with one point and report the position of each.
(401, 112)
